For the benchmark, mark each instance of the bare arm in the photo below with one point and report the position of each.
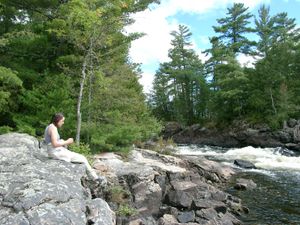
(53, 134)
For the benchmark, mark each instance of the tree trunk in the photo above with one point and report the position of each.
(90, 101)
(272, 100)
(83, 77)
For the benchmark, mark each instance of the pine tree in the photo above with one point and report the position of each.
(234, 28)
(275, 73)
(180, 83)
(264, 29)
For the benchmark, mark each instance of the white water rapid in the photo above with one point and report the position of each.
(276, 200)
(262, 158)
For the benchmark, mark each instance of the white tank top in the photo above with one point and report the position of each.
(47, 136)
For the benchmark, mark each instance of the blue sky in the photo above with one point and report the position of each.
(199, 15)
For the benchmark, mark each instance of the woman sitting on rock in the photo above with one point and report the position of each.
(56, 147)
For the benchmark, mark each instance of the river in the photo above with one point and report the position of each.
(276, 200)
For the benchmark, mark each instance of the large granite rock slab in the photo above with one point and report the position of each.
(37, 190)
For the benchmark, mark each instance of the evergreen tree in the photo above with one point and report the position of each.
(231, 92)
(285, 29)
(264, 29)
(10, 87)
(180, 83)
(160, 101)
(274, 78)
(234, 28)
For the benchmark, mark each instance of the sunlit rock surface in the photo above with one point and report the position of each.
(37, 190)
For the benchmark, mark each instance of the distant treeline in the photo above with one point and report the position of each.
(71, 56)
(221, 90)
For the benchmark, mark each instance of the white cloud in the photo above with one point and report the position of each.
(157, 24)
(154, 46)
(146, 80)
(247, 60)
(199, 51)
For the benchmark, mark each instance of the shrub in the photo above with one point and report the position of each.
(82, 148)
(118, 195)
(5, 129)
(165, 146)
(126, 210)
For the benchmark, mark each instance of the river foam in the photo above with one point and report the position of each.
(264, 158)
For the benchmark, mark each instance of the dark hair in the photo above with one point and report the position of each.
(56, 118)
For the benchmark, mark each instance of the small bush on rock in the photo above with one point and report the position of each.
(126, 210)
(118, 195)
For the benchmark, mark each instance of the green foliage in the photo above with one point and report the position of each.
(234, 28)
(5, 129)
(24, 128)
(118, 195)
(232, 90)
(118, 114)
(51, 50)
(179, 89)
(266, 93)
(39, 104)
(165, 146)
(10, 87)
(121, 197)
(126, 210)
(43, 49)
(82, 148)
(264, 28)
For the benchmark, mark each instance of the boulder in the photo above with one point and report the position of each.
(245, 184)
(207, 203)
(284, 136)
(292, 122)
(293, 146)
(208, 214)
(210, 170)
(296, 133)
(171, 128)
(244, 164)
(37, 190)
(285, 151)
(167, 219)
(185, 217)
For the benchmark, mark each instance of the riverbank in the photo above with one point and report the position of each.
(238, 135)
(171, 190)
(272, 192)
(145, 188)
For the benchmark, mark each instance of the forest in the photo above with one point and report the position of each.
(221, 90)
(72, 56)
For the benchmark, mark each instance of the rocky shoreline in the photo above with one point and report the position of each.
(145, 188)
(238, 135)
